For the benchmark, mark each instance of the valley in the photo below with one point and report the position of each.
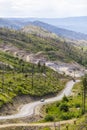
(39, 65)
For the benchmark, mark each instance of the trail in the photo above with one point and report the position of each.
(50, 124)
(29, 109)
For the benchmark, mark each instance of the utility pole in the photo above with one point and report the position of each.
(3, 76)
(84, 81)
(32, 76)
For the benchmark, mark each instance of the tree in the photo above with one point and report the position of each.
(84, 82)
(65, 99)
(43, 70)
(32, 76)
(82, 55)
(39, 66)
(3, 72)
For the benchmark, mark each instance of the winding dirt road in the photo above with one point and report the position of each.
(28, 109)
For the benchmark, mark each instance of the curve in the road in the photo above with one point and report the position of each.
(28, 109)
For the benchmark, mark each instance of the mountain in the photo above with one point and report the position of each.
(18, 23)
(20, 78)
(23, 45)
(61, 32)
(39, 31)
(13, 23)
(77, 24)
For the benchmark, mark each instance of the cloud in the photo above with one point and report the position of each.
(42, 8)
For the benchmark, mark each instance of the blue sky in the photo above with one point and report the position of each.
(43, 8)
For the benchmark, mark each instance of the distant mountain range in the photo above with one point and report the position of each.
(75, 23)
(61, 32)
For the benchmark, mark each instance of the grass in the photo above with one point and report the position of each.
(26, 78)
(17, 84)
(77, 124)
(65, 109)
(26, 128)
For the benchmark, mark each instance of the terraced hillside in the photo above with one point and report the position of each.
(22, 44)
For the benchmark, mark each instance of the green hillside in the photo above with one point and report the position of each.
(38, 31)
(20, 78)
(52, 48)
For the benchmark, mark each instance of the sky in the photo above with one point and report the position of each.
(43, 8)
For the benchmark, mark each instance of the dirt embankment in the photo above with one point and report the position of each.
(12, 108)
(17, 102)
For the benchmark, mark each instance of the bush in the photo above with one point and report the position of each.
(47, 109)
(64, 107)
(57, 104)
(77, 105)
(49, 118)
(66, 116)
(65, 99)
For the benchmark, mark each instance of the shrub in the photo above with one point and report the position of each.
(49, 118)
(64, 107)
(77, 105)
(47, 110)
(66, 116)
(57, 104)
(65, 99)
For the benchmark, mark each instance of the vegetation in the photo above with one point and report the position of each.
(68, 108)
(51, 48)
(26, 128)
(19, 77)
(45, 128)
(84, 89)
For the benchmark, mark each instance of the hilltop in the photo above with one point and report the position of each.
(39, 31)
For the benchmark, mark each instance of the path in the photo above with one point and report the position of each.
(50, 124)
(28, 109)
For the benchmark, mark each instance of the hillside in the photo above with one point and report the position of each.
(61, 32)
(39, 31)
(22, 78)
(21, 44)
(77, 24)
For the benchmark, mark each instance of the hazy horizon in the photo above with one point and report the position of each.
(43, 17)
